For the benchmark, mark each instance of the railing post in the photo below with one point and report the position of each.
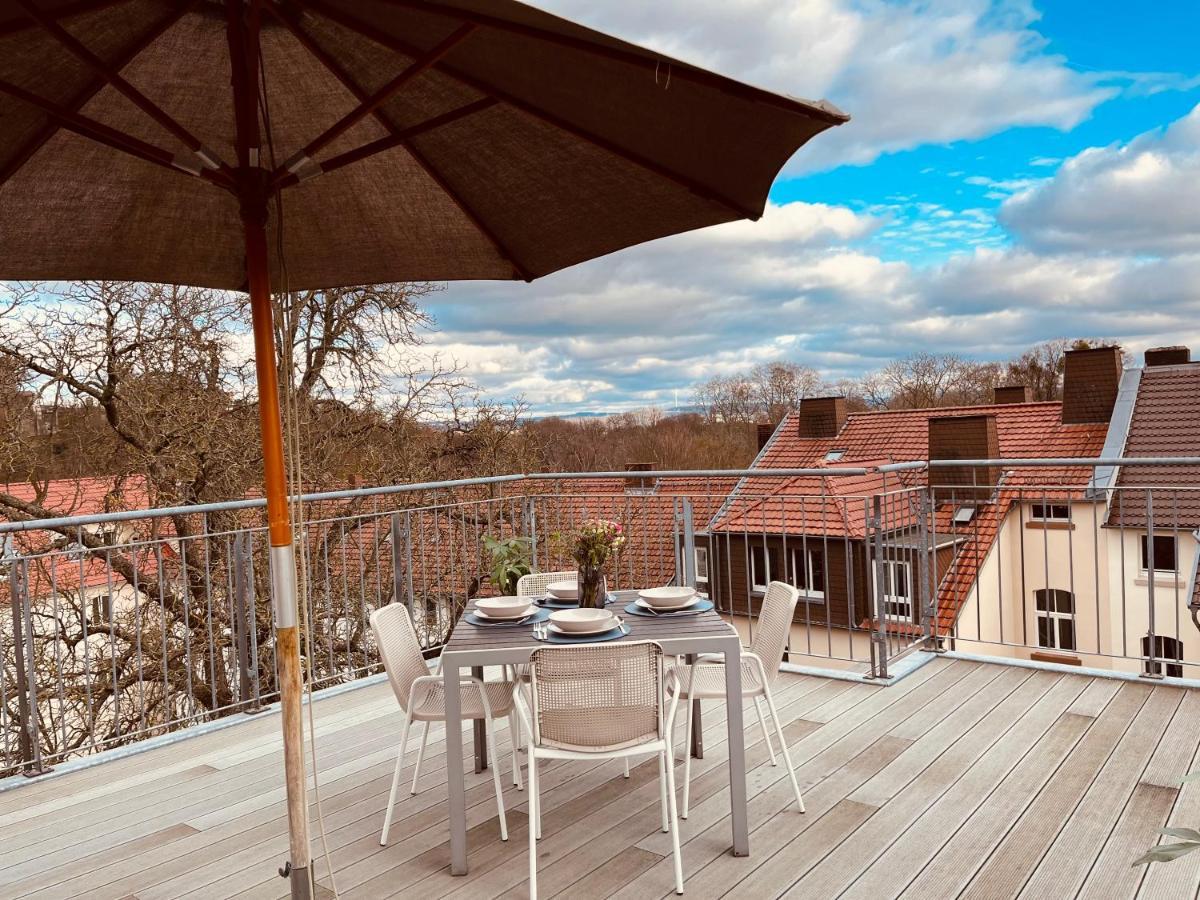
(30, 744)
(531, 528)
(688, 523)
(402, 587)
(1152, 668)
(879, 651)
(244, 620)
(927, 558)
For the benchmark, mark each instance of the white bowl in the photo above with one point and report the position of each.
(669, 597)
(504, 607)
(583, 621)
(564, 590)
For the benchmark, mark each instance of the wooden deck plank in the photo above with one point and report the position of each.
(1178, 878)
(950, 868)
(909, 852)
(954, 780)
(947, 749)
(1004, 873)
(1066, 863)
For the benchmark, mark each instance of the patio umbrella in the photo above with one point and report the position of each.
(297, 144)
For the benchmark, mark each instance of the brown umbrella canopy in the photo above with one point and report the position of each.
(426, 141)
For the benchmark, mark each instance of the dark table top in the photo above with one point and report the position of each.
(678, 634)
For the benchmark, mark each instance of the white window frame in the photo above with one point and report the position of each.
(755, 585)
(897, 605)
(700, 561)
(1053, 617)
(810, 593)
(1142, 555)
(1051, 506)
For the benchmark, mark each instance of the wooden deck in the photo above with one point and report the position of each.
(964, 780)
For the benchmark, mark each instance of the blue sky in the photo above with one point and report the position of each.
(1014, 172)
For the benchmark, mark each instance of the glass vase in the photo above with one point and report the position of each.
(592, 593)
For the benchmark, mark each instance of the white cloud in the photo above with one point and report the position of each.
(1140, 197)
(909, 73)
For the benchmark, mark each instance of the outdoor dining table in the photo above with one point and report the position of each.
(473, 647)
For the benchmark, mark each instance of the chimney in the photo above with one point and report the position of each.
(639, 484)
(963, 437)
(765, 430)
(1012, 393)
(821, 417)
(1167, 356)
(1090, 381)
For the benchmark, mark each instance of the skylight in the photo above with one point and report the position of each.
(834, 455)
(963, 515)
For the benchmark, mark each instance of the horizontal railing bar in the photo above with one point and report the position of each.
(389, 490)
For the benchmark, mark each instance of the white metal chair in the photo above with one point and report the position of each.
(705, 680)
(600, 701)
(534, 584)
(423, 699)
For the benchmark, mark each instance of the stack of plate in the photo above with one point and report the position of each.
(503, 609)
(582, 623)
(667, 599)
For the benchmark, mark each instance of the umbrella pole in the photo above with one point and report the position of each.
(283, 559)
(252, 180)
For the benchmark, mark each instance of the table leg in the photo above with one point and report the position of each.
(481, 754)
(456, 794)
(737, 751)
(697, 748)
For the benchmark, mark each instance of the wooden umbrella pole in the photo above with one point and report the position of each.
(252, 182)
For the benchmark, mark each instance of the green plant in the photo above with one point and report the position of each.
(1188, 839)
(510, 560)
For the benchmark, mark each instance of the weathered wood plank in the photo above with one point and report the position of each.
(1069, 858)
(1004, 873)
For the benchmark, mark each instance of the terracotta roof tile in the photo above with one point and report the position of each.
(1165, 422)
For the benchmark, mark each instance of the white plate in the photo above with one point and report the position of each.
(563, 590)
(603, 629)
(669, 597)
(488, 618)
(666, 609)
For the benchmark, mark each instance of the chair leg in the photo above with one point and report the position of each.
(387, 817)
(762, 723)
(662, 780)
(687, 758)
(514, 734)
(674, 825)
(420, 756)
(491, 736)
(787, 757)
(535, 812)
(533, 829)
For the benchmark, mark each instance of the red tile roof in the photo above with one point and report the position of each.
(834, 504)
(1165, 422)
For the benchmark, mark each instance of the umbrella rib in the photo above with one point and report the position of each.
(291, 22)
(818, 109)
(80, 100)
(395, 139)
(111, 137)
(374, 101)
(399, 46)
(113, 77)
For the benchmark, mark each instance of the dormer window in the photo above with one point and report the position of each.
(834, 455)
(1050, 512)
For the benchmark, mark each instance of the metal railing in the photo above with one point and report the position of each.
(122, 626)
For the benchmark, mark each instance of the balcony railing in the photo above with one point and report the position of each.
(123, 626)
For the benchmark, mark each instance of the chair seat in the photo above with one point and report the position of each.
(708, 682)
(430, 702)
